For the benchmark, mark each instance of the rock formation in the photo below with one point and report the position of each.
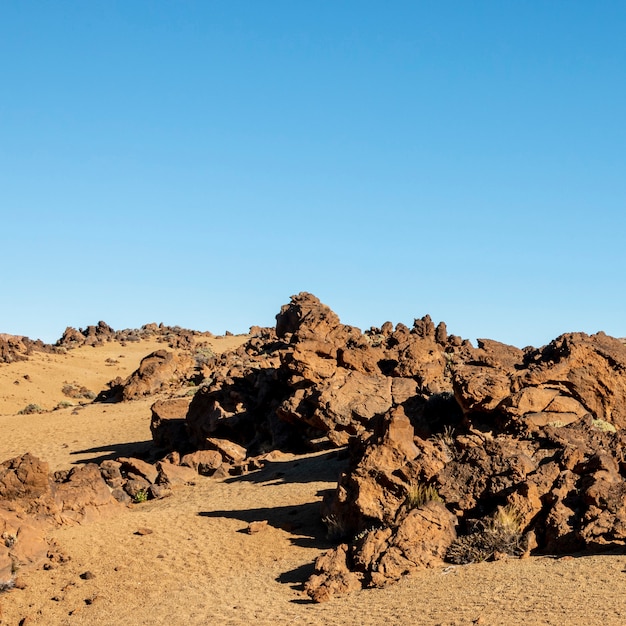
(455, 453)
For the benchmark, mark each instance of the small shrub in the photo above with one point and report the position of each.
(64, 404)
(419, 494)
(604, 426)
(499, 535)
(72, 391)
(204, 356)
(446, 438)
(141, 496)
(30, 409)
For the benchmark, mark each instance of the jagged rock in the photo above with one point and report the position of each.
(18, 348)
(333, 576)
(112, 474)
(136, 487)
(23, 543)
(419, 541)
(230, 452)
(574, 375)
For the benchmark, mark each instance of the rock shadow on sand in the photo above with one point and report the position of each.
(137, 449)
(302, 521)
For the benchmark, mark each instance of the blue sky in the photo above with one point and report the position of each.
(197, 163)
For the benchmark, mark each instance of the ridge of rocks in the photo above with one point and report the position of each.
(455, 453)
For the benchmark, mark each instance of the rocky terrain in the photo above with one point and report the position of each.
(447, 454)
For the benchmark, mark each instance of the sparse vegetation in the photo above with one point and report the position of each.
(604, 426)
(73, 391)
(500, 535)
(64, 404)
(141, 496)
(31, 409)
(203, 356)
(446, 437)
(419, 494)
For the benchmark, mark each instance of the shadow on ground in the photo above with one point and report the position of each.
(137, 449)
(325, 467)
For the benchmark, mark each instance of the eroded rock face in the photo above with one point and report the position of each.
(18, 348)
(573, 376)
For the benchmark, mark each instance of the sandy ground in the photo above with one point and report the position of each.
(199, 566)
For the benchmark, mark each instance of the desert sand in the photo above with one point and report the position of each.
(196, 564)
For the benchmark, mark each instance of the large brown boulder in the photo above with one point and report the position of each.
(157, 372)
(24, 477)
(168, 423)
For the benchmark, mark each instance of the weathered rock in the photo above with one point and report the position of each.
(175, 475)
(24, 477)
(333, 576)
(84, 496)
(573, 376)
(231, 452)
(129, 465)
(168, 424)
(157, 371)
(137, 487)
(204, 462)
(23, 543)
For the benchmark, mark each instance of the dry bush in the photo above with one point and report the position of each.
(500, 535)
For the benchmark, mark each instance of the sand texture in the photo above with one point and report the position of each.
(187, 559)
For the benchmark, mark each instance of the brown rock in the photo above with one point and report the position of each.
(332, 577)
(204, 462)
(256, 527)
(138, 467)
(231, 452)
(168, 425)
(24, 477)
(175, 475)
(156, 372)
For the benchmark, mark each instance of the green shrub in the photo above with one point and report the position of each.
(141, 496)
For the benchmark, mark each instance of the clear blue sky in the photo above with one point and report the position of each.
(197, 163)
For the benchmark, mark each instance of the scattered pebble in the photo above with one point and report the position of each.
(144, 531)
(87, 575)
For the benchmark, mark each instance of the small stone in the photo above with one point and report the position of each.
(87, 575)
(144, 531)
(256, 527)
(20, 583)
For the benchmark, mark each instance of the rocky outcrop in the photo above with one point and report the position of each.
(18, 348)
(32, 501)
(316, 377)
(174, 336)
(159, 372)
(573, 376)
